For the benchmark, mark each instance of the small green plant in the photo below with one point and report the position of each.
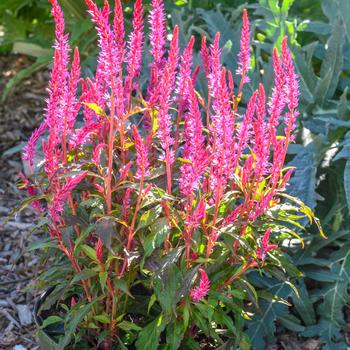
(160, 202)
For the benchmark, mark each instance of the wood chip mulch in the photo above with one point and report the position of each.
(19, 115)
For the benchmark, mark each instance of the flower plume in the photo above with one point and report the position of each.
(244, 53)
(198, 293)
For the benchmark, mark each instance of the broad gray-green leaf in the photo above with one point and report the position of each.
(303, 183)
(335, 297)
(347, 182)
(307, 77)
(303, 305)
(332, 63)
(262, 327)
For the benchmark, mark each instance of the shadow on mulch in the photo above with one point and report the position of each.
(19, 115)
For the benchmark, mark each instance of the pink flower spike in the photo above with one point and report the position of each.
(291, 88)
(184, 74)
(265, 245)
(134, 56)
(59, 198)
(96, 154)
(123, 173)
(198, 293)
(244, 53)
(277, 100)
(118, 28)
(215, 65)
(72, 302)
(158, 32)
(141, 154)
(99, 250)
(126, 204)
(194, 148)
(205, 56)
(165, 91)
(198, 215)
(29, 150)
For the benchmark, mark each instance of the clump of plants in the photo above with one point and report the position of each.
(158, 201)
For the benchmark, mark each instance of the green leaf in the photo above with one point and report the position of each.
(304, 306)
(105, 228)
(83, 275)
(262, 327)
(84, 234)
(303, 183)
(286, 4)
(129, 326)
(148, 217)
(347, 182)
(122, 285)
(74, 318)
(42, 244)
(51, 320)
(332, 63)
(89, 251)
(149, 337)
(335, 297)
(175, 334)
(105, 319)
(103, 279)
(191, 344)
(291, 323)
(159, 231)
(227, 346)
(165, 287)
(322, 275)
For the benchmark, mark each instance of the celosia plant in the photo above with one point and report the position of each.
(159, 200)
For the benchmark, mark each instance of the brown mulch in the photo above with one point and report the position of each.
(19, 115)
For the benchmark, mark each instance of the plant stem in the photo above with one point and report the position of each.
(110, 153)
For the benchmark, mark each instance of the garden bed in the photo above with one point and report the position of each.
(18, 116)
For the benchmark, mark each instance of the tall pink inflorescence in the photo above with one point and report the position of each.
(185, 68)
(57, 92)
(58, 200)
(164, 92)
(134, 55)
(244, 53)
(118, 28)
(215, 66)
(261, 147)
(222, 129)
(158, 33)
(198, 293)
(265, 245)
(291, 89)
(141, 154)
(194, 149)
(107, 78)
(277, 100)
